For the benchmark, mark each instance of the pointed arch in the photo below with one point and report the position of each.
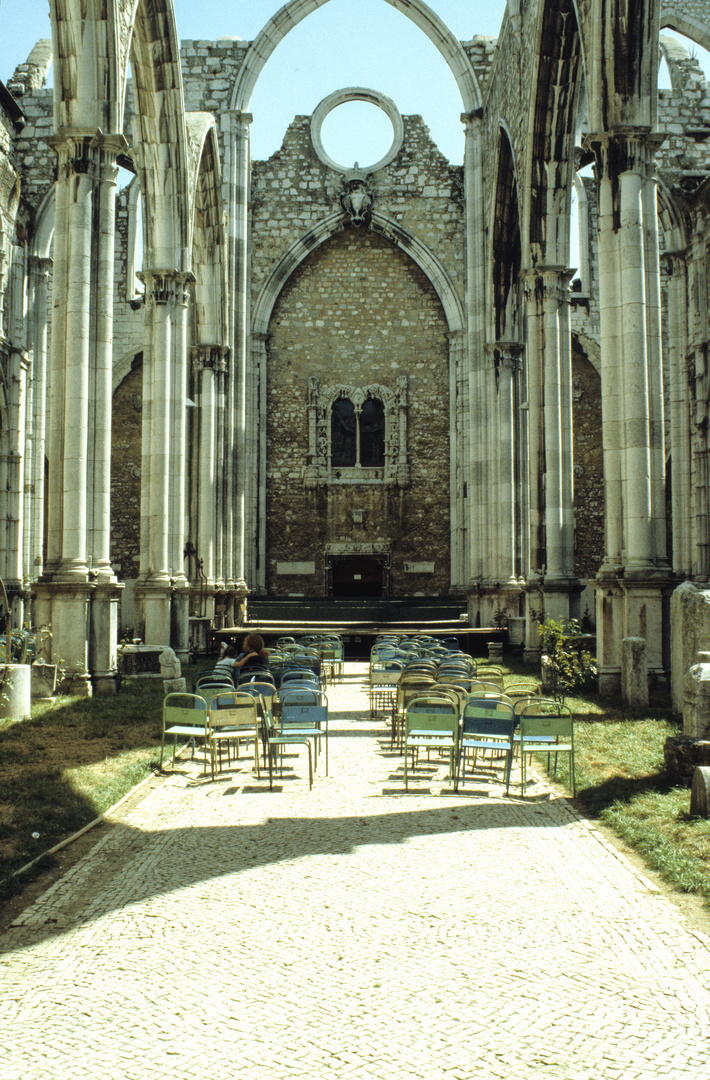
(207, 239)
(160, 135)
(334, 223)
(552, 132)
(505, 249)
(674, 17)
(87, 75)
(421, 15)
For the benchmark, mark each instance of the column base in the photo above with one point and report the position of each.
(153, 612)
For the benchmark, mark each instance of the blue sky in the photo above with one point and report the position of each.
(344, 43)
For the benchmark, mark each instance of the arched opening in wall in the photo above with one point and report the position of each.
(683, 63)
(392, 55)
(126, 451)
(588, 469)
(358, 354)
(506, 251)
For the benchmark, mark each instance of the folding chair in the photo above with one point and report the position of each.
(232, 718)
(184, 715)
(431, 723)
(488, 725)
(546, 727)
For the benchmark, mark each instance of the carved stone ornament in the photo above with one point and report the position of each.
(356, 197)
(320, 399)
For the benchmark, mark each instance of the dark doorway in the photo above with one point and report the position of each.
(357, 576)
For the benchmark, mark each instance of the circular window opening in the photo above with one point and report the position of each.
(357, 131)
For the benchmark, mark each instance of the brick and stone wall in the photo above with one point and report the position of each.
(125, 474)
(588, 465)
(358, 312)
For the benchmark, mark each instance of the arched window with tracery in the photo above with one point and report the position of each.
(343, 434)
(372, 433)
(357, 434)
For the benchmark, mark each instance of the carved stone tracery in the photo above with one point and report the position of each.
(320, 402)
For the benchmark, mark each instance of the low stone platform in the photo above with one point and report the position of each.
(223, 930)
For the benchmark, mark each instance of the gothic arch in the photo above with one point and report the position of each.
(87, 70)
(675, 18)
(295, 10)
(381, 224)
(160, 135)
(550, 166)
(505, 249)
(207, 240)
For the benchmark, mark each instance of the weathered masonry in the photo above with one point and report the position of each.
(303, 378)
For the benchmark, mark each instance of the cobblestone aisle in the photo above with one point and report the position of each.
(353, 931)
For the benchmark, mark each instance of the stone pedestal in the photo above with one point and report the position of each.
(690, 634)
(634, 672)
(15, 692)
(682, 754)
(699, 792)
(696, 704)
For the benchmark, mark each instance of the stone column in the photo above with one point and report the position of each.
(680, 418)
(80, 408)
(205, 362)
(557, 411)
(506, 363)
(163, 466)
(239, 260)
(259, 365)
(222, 369)
(474, 359)
(458, 442)
(632, 582)
(38, 298)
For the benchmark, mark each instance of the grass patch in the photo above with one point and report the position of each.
(70, 763)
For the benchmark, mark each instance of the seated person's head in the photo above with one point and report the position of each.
(253, 643)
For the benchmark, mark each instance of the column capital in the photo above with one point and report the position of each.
(241, 121)
(623, 149)
(166, 286)
(212, 357)
(40, 265)
(547, 281)
(82, 152)
(472, 121)
(508, 353)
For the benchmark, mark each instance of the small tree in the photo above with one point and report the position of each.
(570, 665)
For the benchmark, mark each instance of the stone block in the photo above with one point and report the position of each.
(696, 703)
(634, 672)
(175, 686)
(690, 634)
(699, 791)
(682, 754)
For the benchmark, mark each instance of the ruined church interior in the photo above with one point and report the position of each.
(233, 382)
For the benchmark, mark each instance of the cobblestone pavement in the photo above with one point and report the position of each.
(353, 930)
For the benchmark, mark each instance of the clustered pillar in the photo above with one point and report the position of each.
(633, 581)
(78, 594)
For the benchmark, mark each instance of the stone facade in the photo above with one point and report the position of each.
(528, 444)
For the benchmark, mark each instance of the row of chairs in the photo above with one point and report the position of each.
(327, 649)
(223, 717)
(490, 725)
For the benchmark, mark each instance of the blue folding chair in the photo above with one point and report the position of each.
(487, 726)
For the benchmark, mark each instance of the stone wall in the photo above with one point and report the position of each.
(358, 312)
(588, 466)
(125, 474)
